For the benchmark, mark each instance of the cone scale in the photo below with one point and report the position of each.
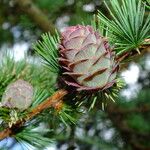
(87, 59)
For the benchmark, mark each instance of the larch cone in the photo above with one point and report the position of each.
(87, 58)
(18, 94)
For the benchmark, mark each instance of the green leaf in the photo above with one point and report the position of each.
(39, 96)
(32, 136)
(47, 48)
(129, 27)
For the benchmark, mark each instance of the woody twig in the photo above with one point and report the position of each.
(52, 101)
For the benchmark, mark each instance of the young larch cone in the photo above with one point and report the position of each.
(18, 95)
(87, 58)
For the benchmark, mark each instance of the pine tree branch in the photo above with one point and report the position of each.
(39, 18)
(52, 101)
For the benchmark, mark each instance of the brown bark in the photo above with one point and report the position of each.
(36, 15)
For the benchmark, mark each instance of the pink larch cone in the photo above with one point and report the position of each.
(87, 58)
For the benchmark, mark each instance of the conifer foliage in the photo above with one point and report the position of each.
(79, 71)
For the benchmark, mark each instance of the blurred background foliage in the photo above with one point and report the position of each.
(127, 127)
(16, 25)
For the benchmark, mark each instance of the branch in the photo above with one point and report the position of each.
(113, 110)
(36, 15)
(134, 56)
(52, 101)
